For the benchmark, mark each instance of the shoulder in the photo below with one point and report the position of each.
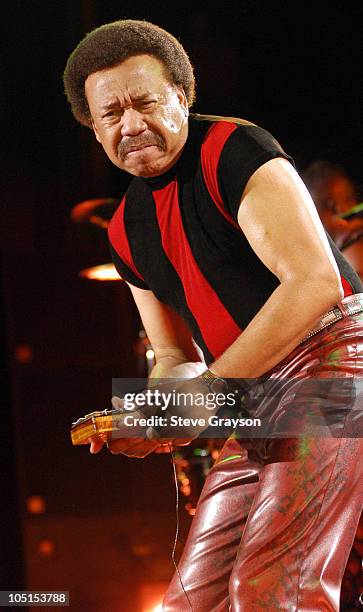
(215, 119)
(231, 151)
(233, 136)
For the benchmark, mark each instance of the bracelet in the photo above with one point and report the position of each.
(216, 384)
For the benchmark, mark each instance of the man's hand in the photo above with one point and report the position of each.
(188, 406)
(169, 367)
(172, 412)
(135, 446)
(131, 447)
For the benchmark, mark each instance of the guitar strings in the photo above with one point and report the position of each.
(177, 524)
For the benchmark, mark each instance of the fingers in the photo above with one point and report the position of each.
(182, 441)
(143, 449)
(117, 403)
(133, 447)
(120, 445)
(96, 446)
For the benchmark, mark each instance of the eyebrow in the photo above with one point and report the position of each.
(111, 105)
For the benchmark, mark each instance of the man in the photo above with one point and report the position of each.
(224, 251)
(334, 193)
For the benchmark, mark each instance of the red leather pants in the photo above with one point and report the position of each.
(276, 518)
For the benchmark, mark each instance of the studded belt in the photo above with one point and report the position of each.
(350, 305)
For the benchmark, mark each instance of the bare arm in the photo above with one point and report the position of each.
(168, 334)
(279, 219)
(280, 222)
(173, 346)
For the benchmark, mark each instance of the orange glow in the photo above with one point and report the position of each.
(46, 548)
(163, 448)
(185, 481)
(152, 595)
(192, 511)
(105, 272)
(141, 550)
(215, 454)
(35, 504)
(186, 490)
(24, 353)
(157, 608)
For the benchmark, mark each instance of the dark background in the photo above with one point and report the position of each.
(293, 68)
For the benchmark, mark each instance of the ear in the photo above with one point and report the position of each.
(95, 131)
(183, 100)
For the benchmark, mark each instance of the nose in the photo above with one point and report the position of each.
(132, 123)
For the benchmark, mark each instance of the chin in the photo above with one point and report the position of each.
(141, 172)
(149, 163)
(148, 171)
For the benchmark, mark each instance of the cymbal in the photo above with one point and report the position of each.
(104, 272)
(98, 211)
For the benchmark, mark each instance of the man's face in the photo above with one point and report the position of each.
(140, 119)
(334, 197)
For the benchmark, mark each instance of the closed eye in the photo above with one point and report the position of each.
(146, 104)
(112, 113)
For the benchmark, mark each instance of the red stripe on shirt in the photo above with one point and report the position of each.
(212, 148)
(118, 238)
(217, 326)
(346, 286)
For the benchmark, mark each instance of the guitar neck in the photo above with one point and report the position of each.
(95, 425)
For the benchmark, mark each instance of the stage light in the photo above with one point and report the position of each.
(186, 490)
(46, 548)
(24, 353)
(157, 608)
(105, 272)
(152, 595)
(35, 504)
